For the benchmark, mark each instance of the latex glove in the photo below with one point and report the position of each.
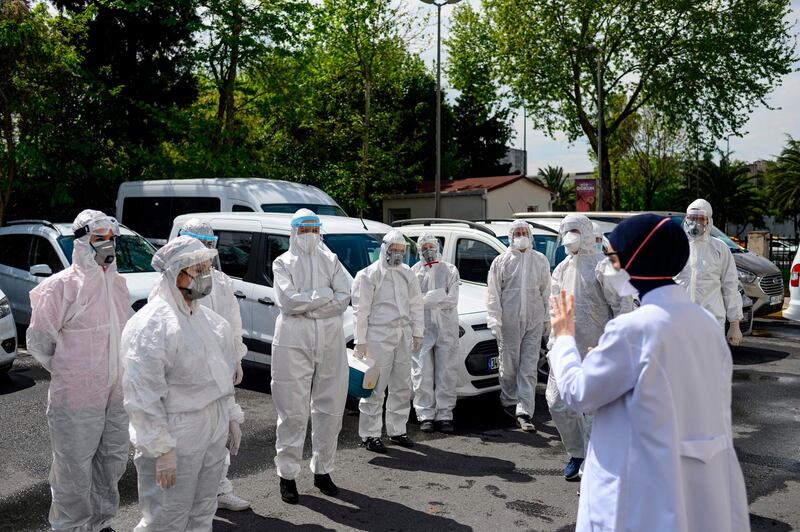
(324, 292)
(360, 351)
(498, 334)
(734, 333)
(236, 437)
(166, 469)
(237, 378)
(547, 329)
(416, 343)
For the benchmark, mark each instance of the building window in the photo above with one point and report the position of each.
(399, 214)
(533, 208)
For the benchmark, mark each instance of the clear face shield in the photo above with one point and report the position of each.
(199, 283)
(696, 223)
(395, 254)
(102, 234)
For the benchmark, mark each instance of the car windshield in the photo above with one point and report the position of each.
(291, 208)
(357, 251)
(547, 245)
(719, 235)
(134, 253)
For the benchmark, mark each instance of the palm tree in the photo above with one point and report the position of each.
(783, 182)
(554, 180)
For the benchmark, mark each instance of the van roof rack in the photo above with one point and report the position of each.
(433, 221)
(33, 221)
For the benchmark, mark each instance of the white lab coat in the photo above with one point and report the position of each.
(661, 455)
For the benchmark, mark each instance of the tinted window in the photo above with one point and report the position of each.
(241, 208)
(153, 216)
(134, 253)
(291, 208)
(43, 252)
(14, 251)
(546, 245)
(355, 252)
(234, 252)
(277, 245)
(473, 259)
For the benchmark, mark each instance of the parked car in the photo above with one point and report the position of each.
(149, 207)
(249, 242)
(31, 250)
(762, 280)
(793, 311)
(8, 335)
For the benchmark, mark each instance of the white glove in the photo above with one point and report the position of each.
(236, 437)
(360, 351)
(324, 292)
(432, 297)
(734, 333)
(166, 469)
(498, 333)
(237, 378)
(416, 343)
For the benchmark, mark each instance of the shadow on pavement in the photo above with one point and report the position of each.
(15, 381)
(249, 520)
(747, 355)
(362, 512)
(425, 458)
(763, 523)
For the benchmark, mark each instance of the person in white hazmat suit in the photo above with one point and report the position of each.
(434, 368)
(710, 276)
(222, 301)
(389, 324)
(661, 456)
(580, 274)
(309, 357)
(76, 323)
(517, 303)
(179, 393)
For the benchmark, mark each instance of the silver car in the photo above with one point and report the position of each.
(8, 335)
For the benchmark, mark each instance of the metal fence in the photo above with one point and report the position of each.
(782, 251)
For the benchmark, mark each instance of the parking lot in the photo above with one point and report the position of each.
(487, 476)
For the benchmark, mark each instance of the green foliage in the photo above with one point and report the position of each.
(554, 179)
(783, 183)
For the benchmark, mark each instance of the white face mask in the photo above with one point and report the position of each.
(307, 242)
(619, 280)
(598, 247)
(521, 242)
(572, 241)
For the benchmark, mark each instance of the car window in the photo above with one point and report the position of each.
(152, 216)
(473, 259)
(42, 252)
(234, 252)
(546, 245)
(277, 245)
(355, 251)
(134, 253)
(14, 251)
(291, 208)
(241, 208)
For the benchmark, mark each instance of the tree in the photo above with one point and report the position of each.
(702, 65)
(482, 128)
(555, 181)
(783, 183)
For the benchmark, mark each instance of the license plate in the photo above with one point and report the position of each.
(493, 363)
(774, 300)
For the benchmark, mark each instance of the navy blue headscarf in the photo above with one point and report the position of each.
(652, 249)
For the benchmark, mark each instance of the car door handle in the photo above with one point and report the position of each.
(239, 294)
(265, 301)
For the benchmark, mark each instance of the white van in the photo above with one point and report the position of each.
(149, 207)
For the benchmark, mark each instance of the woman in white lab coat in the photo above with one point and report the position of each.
(661, 455)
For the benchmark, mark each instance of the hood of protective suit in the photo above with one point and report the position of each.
(87, 222)
(179, 253)
(582, 224)
(392, 237)
(652, 249)
(701, 206)
(434, 254)
(519, 224)
(308, 218)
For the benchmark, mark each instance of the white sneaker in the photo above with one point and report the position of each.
(229, 501)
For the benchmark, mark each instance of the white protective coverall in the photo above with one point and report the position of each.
(517, 304)
(222, 301)
(387, 313)
(76, 323)
(309, 357)
(434, 371)
(661, 456)
(179, 395)
(581, 275)
(710, 276)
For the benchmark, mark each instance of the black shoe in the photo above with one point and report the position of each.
(511, 411)
(374, 444)
(326, 485)
(524, 422)
(426, 426)
(289, 491)
(402, 440)
(445, 426)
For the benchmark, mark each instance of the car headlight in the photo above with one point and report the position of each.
(746, 276)
(5, 308)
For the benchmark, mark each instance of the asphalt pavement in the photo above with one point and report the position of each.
(488, 476)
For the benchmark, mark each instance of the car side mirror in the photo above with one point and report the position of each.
(41, 270)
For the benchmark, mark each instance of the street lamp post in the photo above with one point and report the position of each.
(599, 193)
(438, 182)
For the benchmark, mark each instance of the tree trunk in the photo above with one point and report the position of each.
(365, 140)
(608, 200)
(230, 81)
(11, 167)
